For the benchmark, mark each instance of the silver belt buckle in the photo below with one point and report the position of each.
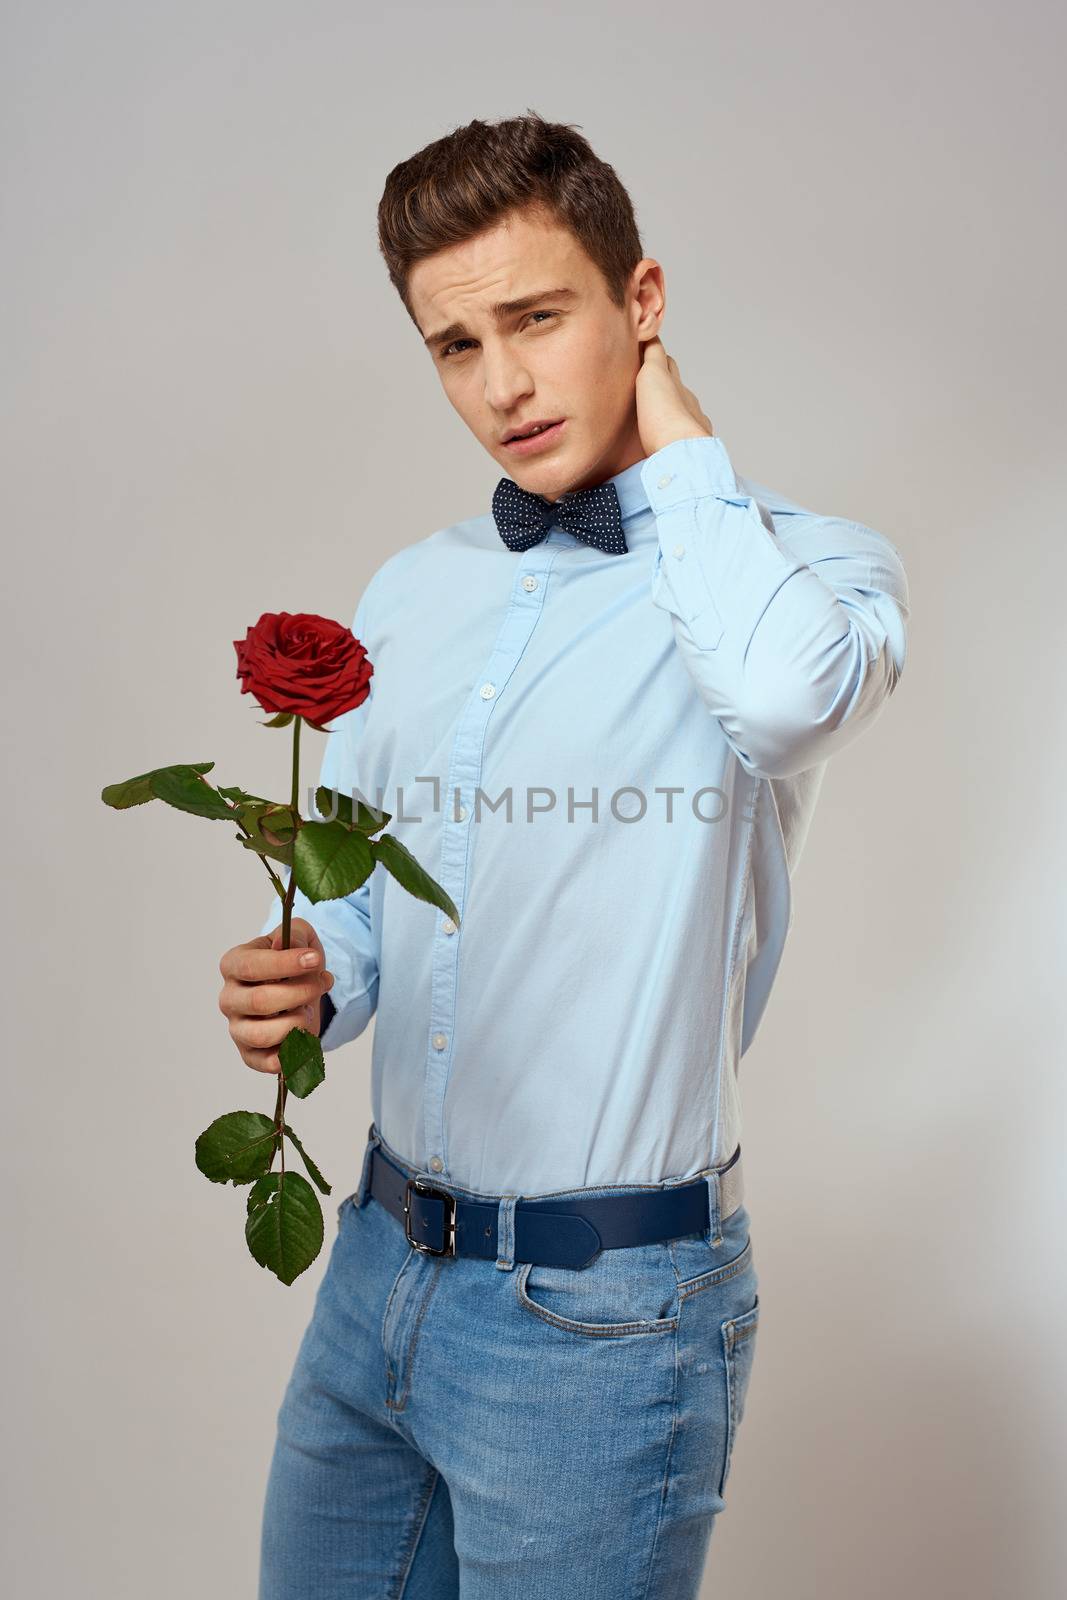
(450, 1217)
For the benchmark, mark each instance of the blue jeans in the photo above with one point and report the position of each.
(464, 1429)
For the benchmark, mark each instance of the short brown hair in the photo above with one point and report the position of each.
(470, 178)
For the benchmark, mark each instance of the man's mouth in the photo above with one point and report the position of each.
(526, 438)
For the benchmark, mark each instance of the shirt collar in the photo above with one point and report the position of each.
(630, 490)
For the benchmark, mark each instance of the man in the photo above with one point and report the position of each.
(600, 714)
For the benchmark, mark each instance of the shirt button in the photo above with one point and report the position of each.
(529, 583)
(679, 551)
(462, 814)
(448, 925)
(665, 480)
(439, 1041)
(436, 1164)
(488, 691)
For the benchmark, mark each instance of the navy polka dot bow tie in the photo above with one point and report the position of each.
(523, 518)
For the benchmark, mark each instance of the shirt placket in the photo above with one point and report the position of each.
(525, 605)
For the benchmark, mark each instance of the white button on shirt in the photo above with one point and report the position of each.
(639, 744)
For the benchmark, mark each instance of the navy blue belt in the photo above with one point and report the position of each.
(557, 1233)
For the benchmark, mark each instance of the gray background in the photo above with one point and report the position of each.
(214, 405)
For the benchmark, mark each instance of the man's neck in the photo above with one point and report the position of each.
(625, 457)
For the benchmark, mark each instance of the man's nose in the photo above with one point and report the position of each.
(506, 381)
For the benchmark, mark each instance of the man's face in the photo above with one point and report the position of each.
(568, 354)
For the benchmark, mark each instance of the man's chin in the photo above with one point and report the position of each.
(550, 484)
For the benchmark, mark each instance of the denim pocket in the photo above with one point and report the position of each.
(701, 1263)
(631, 1290)
(739, 1348)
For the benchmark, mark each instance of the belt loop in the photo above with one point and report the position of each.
(713, 1231)
(373, 1141)
(505, 1232)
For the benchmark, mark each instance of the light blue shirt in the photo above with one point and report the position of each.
(585, 1023)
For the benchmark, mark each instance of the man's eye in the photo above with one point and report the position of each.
(454, 346)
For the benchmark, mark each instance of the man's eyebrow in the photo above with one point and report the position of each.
(500, 313)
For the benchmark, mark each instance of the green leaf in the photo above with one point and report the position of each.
(277, 824)
(398, 859)
(241, 797)
(300, 1054)
(330, 860)
(282, 853)
(367, 819)
(282, 720)
(237, 1147)
(184, 788)
(267, 822)
(135, 791)
(284, 1228)
(317, 1177)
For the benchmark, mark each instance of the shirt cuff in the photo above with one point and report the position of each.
(686, 470)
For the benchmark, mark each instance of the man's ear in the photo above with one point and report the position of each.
(651, 297)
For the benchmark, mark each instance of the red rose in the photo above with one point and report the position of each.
(303, 664)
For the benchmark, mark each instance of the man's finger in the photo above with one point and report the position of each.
(269, 998)
(262, 942)
(256, 960)
(261, 1060)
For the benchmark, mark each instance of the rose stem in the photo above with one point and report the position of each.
(287, 916)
